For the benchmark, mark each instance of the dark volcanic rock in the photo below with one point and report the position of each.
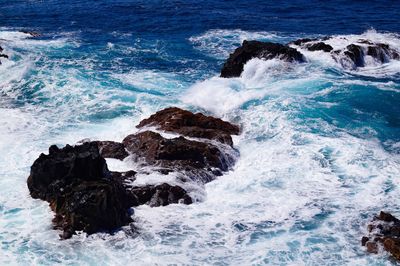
(192, 125)
(233, 67)
(112, 149)
(319, 46)
(78, 186)
(178, 154)
(300, 42)
(86, 196)
(356, 54)
(159, 195)
(383, 230)
(382, 53)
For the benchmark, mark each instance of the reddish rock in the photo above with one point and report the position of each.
(192, 125)
(198, 160)
(383, 230)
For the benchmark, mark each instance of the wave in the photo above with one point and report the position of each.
(313, 162)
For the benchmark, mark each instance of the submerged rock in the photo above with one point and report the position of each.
(33, 34)
(192, 125)
(86, 196)
(384, 230)
(2, 55)
(233, 67)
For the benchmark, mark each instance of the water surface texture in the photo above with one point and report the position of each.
(320, 147)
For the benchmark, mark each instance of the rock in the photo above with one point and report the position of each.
(86, 196)
(356, 54)
(112, 149)
(319, 46)
(233, 67)
(2, 55)
(382, 53)
(78, 186)
(383, 230)
(372, 247)
(300, 42)
(91, 206)
(392, 245)
(196, 159)
(160, 195)
(364, 240)
(188, 124)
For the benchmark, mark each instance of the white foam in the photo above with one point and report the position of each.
(296, 196)
(220, 43)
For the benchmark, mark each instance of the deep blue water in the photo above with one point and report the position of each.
(320, 148)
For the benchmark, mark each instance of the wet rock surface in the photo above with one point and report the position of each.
(383, 231)
(86, 196)
(78, 186)
(233, 67)
(112, 149)
(353, 56)
(198, 160)
(188, 124)
(159, 195)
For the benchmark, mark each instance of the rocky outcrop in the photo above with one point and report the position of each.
(384, 230)
(188, 124)
(86, 196)
(80, 190)
(233, 67)
(353, 55)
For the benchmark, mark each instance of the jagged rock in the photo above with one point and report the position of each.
(382, 52)
(233, 67)
(319, 46)
(383, 230)
(197, 125)
(86, 196)
(78, 186)
(356, 54)
(197, 159)
(159, 195)
(112, 149)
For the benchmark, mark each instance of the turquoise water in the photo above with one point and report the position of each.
(320, 150)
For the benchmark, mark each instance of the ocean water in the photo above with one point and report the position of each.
(319, 151)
